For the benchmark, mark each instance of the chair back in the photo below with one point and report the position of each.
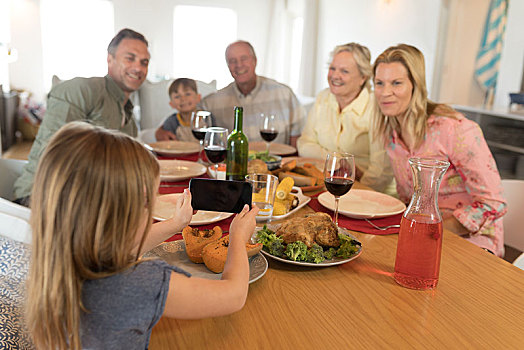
(15, 253)
(10, 170)
(514, 218)
(14, 221)
(519, 261)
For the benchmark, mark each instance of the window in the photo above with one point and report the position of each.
(200, 37)
(75, 35)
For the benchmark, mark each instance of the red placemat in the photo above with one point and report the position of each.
(360, 225)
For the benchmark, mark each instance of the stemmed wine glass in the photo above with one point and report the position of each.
(215, 145)
(200, 121)
(339, 175)
(268, 129)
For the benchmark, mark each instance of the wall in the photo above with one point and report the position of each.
(154, 18)
(511, 73)
(151, 17)
(5, 36)
(466, 24)
(377, 24)
(27, 72)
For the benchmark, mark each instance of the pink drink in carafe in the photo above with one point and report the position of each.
(417, 263)
(418, 253)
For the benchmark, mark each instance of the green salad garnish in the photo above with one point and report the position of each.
(264, 156)
(298, 251)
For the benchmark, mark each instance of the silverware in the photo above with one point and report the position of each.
(382, 228)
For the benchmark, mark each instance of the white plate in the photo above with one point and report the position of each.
(177, 170)
(280, 149)
(325, 263)
(174, 253)
(175, 148)
(360, 204)
(302, 200)
(165, 206)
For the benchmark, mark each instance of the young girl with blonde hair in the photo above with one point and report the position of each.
(91, 219)
(470, 196)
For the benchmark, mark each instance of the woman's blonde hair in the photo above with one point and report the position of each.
(362, 57)
(419, 108)
(93, 188)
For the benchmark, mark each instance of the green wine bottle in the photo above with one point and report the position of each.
(237, 150)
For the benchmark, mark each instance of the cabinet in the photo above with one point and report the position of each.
(8, 119)
(504, 133)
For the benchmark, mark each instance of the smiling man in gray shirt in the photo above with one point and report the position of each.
(257, 95)
(102, 101)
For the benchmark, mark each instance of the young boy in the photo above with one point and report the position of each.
(184, 97)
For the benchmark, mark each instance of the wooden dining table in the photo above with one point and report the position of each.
(477, 304)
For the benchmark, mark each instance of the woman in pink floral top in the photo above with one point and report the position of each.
(470, 195)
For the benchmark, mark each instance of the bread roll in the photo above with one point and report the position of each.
(215, 254)
(257, 166)
(314, 171)
(196, 239)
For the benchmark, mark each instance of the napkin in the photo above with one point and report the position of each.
(360, 225)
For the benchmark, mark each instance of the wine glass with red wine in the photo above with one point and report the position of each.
(268, 129)
(339, 175)
(200, 121)
(215, 145)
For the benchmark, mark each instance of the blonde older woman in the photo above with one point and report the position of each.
(410, 125)
(340, 118)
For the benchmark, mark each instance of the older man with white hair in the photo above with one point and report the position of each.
(257, 95)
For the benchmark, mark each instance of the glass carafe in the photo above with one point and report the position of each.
(419, 244)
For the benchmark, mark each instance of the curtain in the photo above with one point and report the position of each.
(282, 63)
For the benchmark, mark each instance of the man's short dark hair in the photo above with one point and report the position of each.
(125, 33)
(185, 82)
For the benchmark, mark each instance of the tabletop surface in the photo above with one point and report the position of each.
(478, 303)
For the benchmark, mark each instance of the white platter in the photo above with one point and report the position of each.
(280, 149)
(178, 170)
(363, 204)
(174, 253)
(165, 206)
(175, 148)
(318, 163)
(325, 263)
(302, 201)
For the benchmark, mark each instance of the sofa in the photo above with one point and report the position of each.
(152, 105)
(15, 252)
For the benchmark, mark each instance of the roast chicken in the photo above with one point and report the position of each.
(313, 228)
